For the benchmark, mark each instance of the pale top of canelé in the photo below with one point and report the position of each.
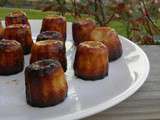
(105, 29)
(101, 33)
(84, 21)
(92, 44)
(17, 13)
(55, 17)
(48, 42)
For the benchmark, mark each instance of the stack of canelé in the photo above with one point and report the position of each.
(45, 81)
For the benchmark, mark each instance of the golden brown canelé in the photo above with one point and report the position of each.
(91, 60)
(109, 37)
(45, 83)
(49, 49)
(52, 35)
(16, 17)
(1, 30)
(20, 33)
(81, 30)
(55, 23)
(11, 57)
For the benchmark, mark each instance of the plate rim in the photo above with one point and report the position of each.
(114, 101)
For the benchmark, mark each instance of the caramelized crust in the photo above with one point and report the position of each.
(45, 83)
(16, 17)
(91, 60)
(52, 35)
(11, 57)
(81, 30)
(55, 23)
(20, 33)
(110, 38)
(49, 49)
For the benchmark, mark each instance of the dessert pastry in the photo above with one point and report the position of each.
(55, 23)
(81, 30)
(49, 49)
(91, 60)
(45, 83)
(52, 35)
(109, 37)
(1, 30)
(11, 57)
(16, 17)
(20, 33)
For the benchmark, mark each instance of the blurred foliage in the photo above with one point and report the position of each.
(3, 2)
(138, 16)
(136, 19)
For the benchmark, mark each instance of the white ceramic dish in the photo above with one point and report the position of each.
(85, 98)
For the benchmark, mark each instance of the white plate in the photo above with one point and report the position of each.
(85, 98)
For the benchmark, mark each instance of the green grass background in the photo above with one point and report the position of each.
(38, 14)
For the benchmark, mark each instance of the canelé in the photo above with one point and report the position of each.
(110, 38)
(45, 83)
(20, 33)
(81, 30)
(49, 49)
(11, 57)
(16, 17)
(91, 60)
(55, 23)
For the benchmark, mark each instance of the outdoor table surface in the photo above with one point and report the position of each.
(145, 103)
